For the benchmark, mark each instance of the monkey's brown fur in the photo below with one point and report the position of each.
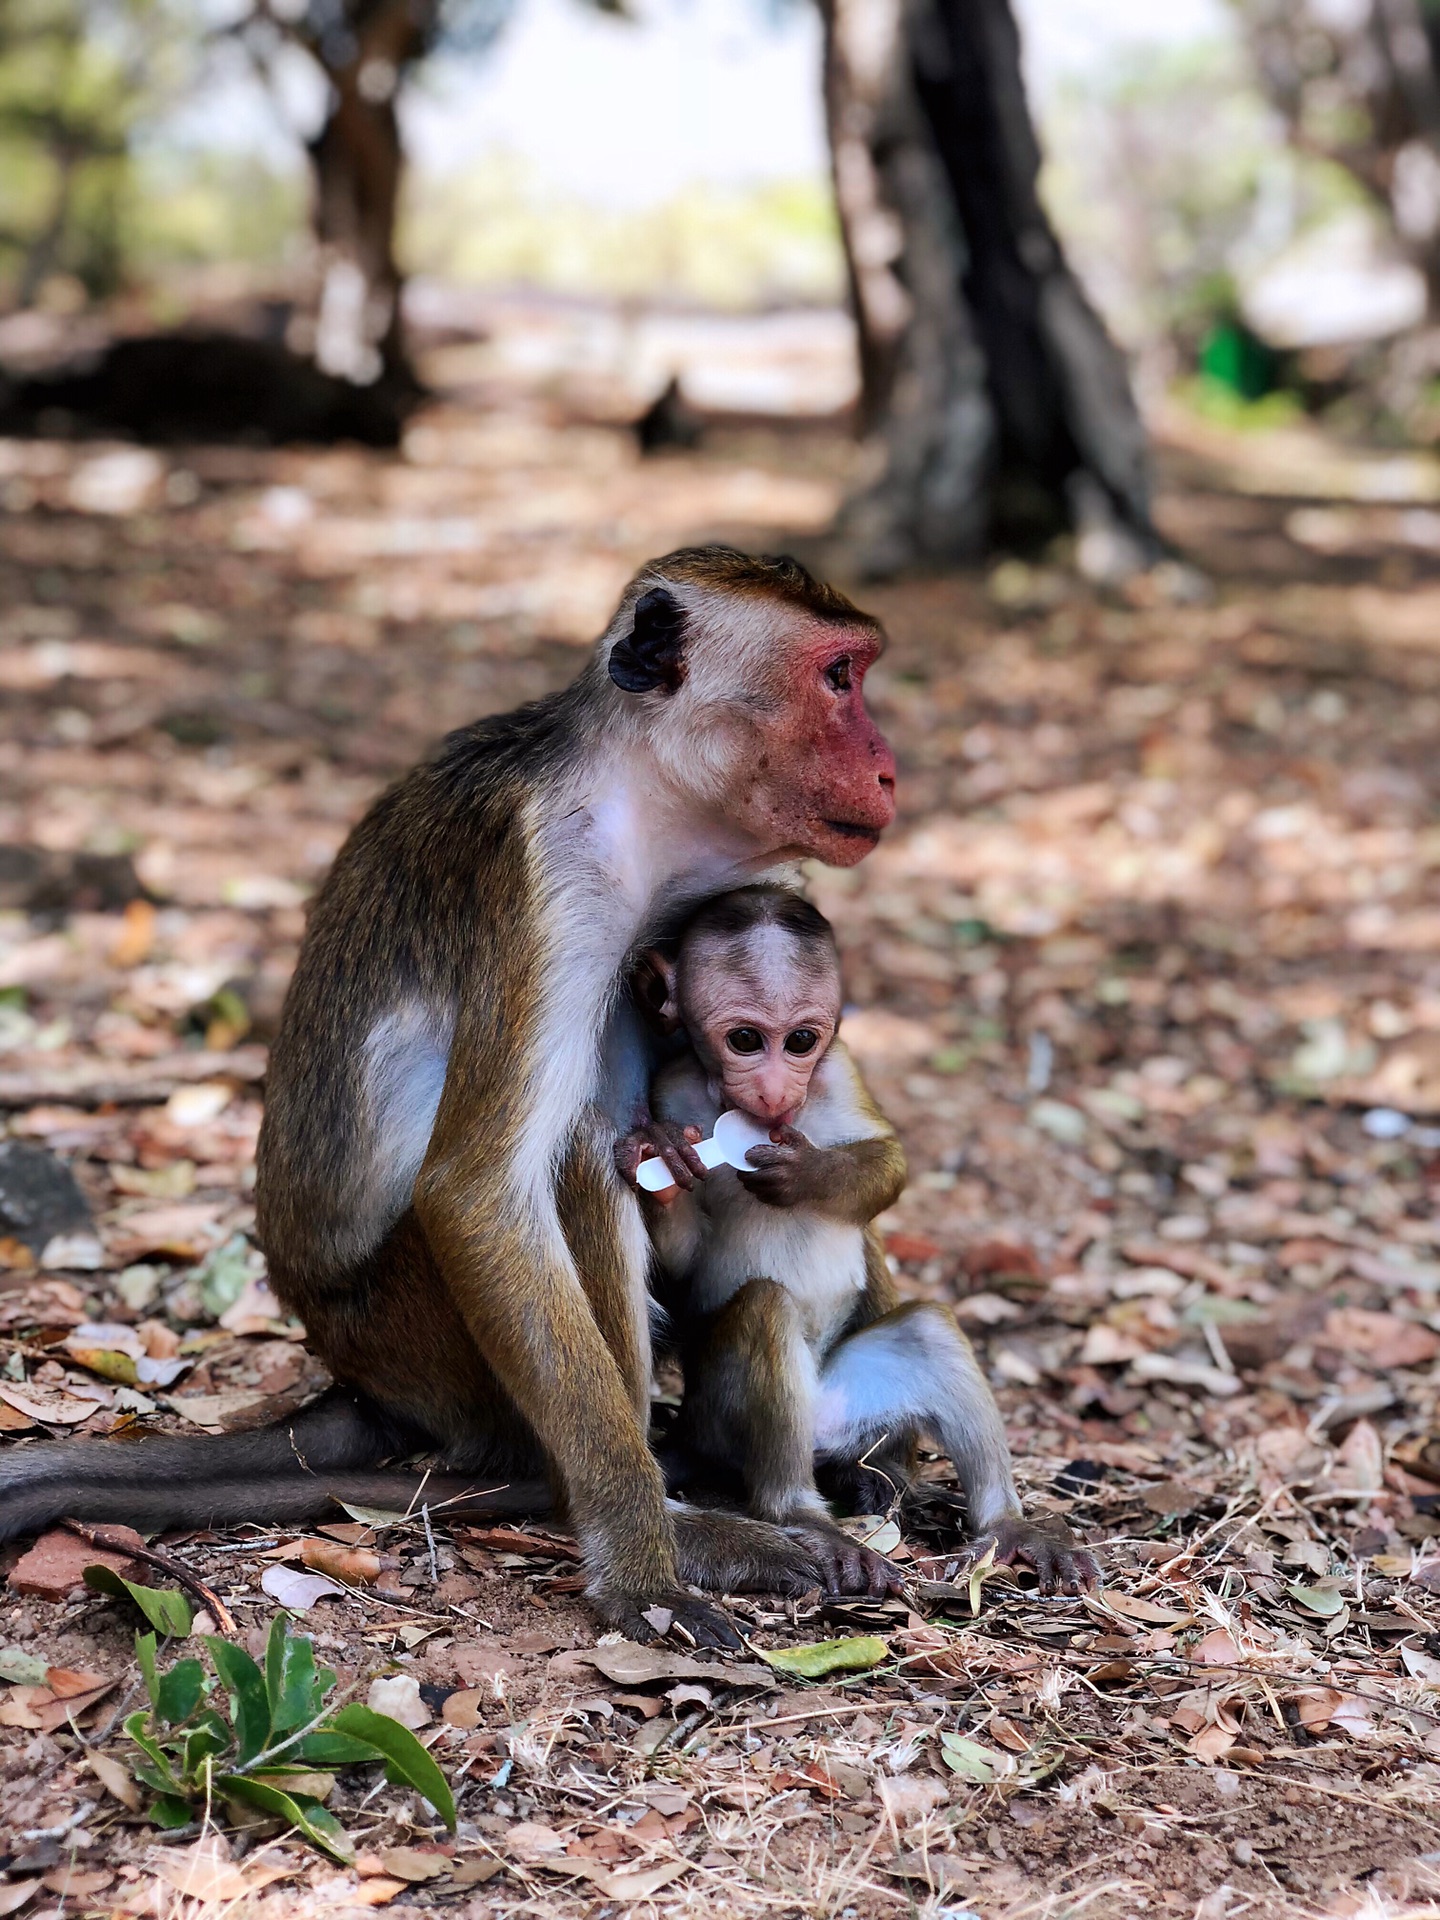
(437, 1195)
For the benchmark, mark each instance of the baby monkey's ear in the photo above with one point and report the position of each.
(655, 989)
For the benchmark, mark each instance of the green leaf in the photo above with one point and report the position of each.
(139, 1732)
(167, 1811)
(289, 1677)
(1322, 1600)
(145, 1657)
(206, 1741)
(221, 1275)
(153, 1778)
(1041, 1762)
(166, 1608)
(972, 1761)
(180, 1691)
(408, 1764)
(249, 1703)
(22, 1669)
(299, 1809)
(325, 1749)
(829, 1656)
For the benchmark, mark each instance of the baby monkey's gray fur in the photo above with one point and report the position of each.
(795, 1350)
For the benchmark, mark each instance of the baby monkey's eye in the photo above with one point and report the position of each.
(837, 674)
(802, 1040)
(745, 1040)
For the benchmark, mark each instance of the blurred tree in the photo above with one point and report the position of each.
(1001, 404)
(1359, 84)
(364, 50)
(77, 77)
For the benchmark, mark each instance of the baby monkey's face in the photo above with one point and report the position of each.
(761, 1011)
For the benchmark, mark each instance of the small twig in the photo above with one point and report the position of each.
(110, 1540)
(430, 1545)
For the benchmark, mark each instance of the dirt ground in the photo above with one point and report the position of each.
(1148, 975)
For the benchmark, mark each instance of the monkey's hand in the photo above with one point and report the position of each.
(787, 1172)
(1048, 1547)
(675, 1615)
(676, 1147)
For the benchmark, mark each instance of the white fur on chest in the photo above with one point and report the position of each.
(819, 1262)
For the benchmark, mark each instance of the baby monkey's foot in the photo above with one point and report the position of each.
(1047, 1546)
(846, 1566)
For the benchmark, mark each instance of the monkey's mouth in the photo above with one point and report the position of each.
(852, 830)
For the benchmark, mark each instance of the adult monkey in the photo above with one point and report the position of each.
(437, 1190)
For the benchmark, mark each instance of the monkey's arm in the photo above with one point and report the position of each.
(850, 1183)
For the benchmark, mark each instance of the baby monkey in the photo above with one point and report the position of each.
(794, 1349)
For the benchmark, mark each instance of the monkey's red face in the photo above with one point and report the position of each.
(822, 782)
(768, 714)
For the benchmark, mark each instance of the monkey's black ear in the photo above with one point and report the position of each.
(653, 653)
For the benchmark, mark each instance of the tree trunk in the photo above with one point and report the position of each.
(1000, 407)
(357, 160)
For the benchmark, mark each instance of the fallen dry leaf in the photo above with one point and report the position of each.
(629, 1664)
(298, 1592)
(51, 1409)
(1383, 1339)
(1211, 1744)
(638, 1884)
(531, 1840)
(398, 1694)
(409, 1863)
(356, 1566)
(116, 1780)
(1217, 1649)
(203, 1871)
(75, 1882)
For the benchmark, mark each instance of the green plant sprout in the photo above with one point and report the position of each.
(258, 1737)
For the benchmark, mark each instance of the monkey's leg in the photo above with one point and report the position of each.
(914, 1370)
(723, 1552)
(509, 1269)
(750, 1389)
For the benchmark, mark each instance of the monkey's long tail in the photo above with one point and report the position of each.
(297, 1470)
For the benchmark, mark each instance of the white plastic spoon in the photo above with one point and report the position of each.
(735, 1133)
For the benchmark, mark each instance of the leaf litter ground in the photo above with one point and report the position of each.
(1149, 977)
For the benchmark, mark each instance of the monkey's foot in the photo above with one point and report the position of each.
(846, 1566)
(673, 1615)
(1047, 1546)
(728, 1553)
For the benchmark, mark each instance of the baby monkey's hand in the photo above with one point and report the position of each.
(786, 1171)
(1048, 1547)
(676, 1147)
